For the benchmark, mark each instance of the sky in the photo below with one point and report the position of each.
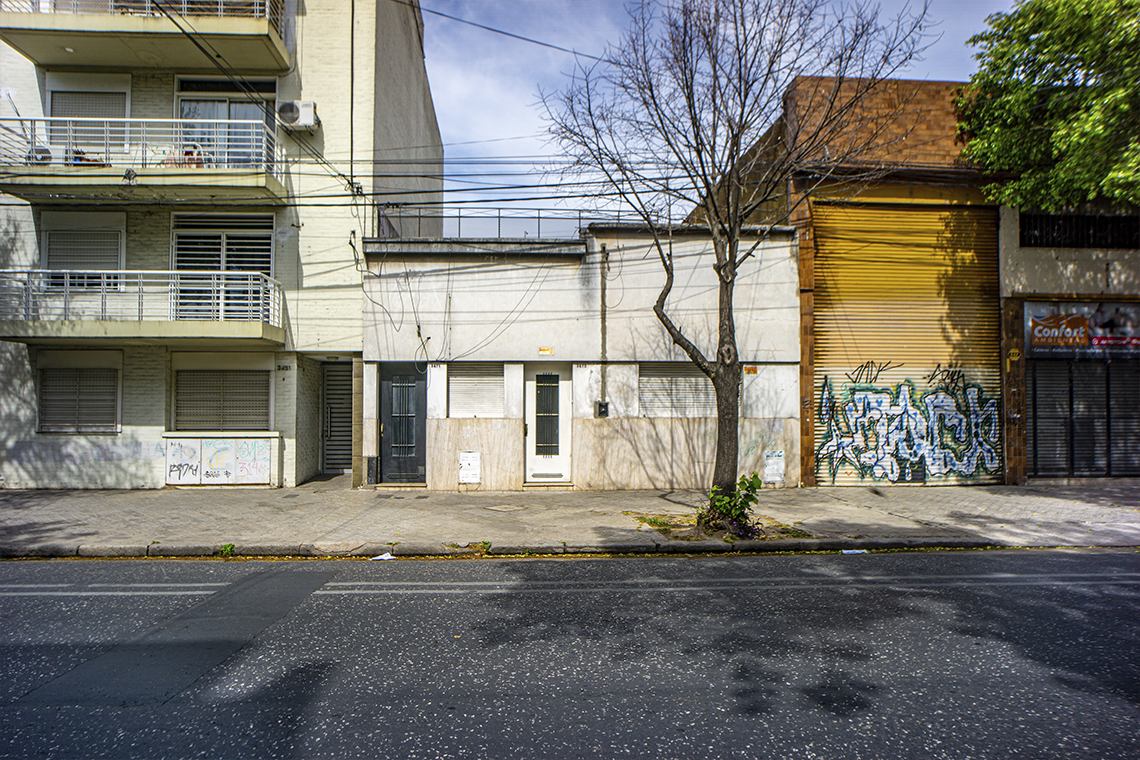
(486, 86)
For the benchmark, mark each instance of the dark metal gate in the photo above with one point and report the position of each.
(1083, 418)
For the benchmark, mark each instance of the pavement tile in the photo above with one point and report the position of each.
(327, 518)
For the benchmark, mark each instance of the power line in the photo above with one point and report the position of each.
(497, 31)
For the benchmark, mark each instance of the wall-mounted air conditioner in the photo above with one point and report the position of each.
(297, 114)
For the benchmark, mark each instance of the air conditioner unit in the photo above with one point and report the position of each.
(297, 114)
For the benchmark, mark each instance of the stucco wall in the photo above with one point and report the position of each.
(1092, 271)
(307, 442)
(505, 301)
(132, 458)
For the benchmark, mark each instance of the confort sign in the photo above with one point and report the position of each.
(1059, 330)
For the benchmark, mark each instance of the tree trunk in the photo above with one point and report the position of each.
(726, 382)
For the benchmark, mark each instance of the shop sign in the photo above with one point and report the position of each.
(1087, 329)
(1059, 330)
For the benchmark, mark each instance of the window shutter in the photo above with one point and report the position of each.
(249, 253)
(674, 389)
(221, 400)
(82, 249)
(475, 389)
(230, 242)
(79, 400)
(89, 105)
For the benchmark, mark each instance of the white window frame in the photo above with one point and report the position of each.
(58, 81)
(222, 361)
(80, 360)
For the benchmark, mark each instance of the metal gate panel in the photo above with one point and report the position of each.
(336, 434)
(1083, 418)
(907, 338)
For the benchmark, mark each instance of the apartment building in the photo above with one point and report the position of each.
(185, 188)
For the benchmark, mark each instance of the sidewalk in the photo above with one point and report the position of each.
(323, 518)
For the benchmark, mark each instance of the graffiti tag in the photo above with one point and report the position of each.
(901, 436)
(869, 372)
(948, 379)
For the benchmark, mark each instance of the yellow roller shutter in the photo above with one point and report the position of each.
(907, 344)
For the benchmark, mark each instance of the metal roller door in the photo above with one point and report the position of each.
(336, 436)
(907, 344)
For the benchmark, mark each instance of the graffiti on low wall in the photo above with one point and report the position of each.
(218, 461)
(902, 436)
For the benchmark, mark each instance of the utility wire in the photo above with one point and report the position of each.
(496, 31)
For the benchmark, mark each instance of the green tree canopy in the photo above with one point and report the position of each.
(1054, 108)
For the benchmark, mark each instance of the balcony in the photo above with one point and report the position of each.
(58, 160)
(137, 34)
(57, 306)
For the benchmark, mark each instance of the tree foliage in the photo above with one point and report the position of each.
(693, 114)
(1054, 108)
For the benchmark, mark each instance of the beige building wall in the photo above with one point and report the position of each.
(1095, 271)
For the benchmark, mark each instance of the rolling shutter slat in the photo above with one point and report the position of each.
(674, 389)
(222, 400)
(475, 389)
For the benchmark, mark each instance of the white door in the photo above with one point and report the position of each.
(547, 406)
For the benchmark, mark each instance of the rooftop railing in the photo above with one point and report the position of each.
(139, 296)
(274, 10)
(139, 144)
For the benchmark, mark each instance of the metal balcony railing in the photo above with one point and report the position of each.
(137, 296)
(274, 10)
(140, 144)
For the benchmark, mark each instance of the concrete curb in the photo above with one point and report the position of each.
(60, 550)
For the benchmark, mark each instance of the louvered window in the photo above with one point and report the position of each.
(221, 243)
(475, 390)
(79, 400)
(674, 389)
(221, 399)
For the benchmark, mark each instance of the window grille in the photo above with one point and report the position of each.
(1079, 231)
(546, 415)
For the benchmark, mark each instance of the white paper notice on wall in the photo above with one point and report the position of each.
(773, 466)
(469, 466)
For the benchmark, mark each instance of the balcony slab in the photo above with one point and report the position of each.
(65, 184)
(185, 334)
(129, 43)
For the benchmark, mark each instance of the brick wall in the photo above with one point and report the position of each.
(152, 96)
(918, 119)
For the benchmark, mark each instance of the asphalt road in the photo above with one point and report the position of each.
(928, 655)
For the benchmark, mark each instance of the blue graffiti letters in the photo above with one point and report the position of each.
(895, 434)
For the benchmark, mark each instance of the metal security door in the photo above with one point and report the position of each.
(548, 405)
(403, 424)
(336, 419)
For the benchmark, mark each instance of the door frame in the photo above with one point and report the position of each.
(547, 469)
(387, 471)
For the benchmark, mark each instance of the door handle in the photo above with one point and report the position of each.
(525, 430)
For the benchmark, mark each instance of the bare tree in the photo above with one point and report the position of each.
(714, 107)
